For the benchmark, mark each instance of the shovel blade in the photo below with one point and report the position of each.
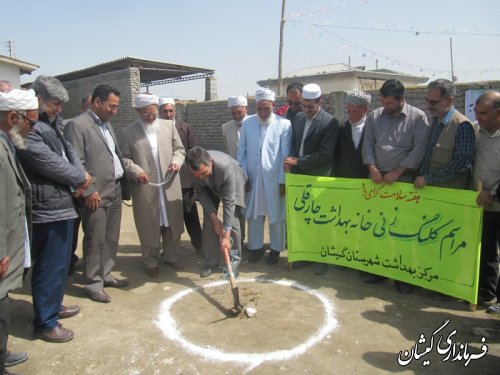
(236, 296)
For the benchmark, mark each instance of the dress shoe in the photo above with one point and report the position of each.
(372, 279)
(485, 299)
(115, 283)
(207, 271)
(175, 265)
(99, 296)
(403, 288)
(68, 311)
(12, 359)
(320, 268)
(273, 258)
(56, 334)
(255, 255)
(493, 309)
(300, 264)
(152, 271)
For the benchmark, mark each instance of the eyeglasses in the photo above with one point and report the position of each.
(31, 123)
(112, 107)
(433, 103)
(309, 106)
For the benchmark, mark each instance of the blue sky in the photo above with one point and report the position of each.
(240, 39)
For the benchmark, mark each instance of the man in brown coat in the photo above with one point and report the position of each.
(153, 154)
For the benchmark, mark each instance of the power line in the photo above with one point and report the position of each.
(394, 30)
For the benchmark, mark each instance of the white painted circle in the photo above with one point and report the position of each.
(169, 327)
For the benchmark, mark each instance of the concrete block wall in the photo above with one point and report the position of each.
(127, 81)
(206, 118)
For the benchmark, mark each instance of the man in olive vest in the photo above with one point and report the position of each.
(450, 151)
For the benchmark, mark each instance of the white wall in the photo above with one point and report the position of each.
(10, 73)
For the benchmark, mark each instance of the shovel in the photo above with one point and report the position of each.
(234, 288)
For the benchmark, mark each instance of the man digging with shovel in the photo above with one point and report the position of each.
(217, 177)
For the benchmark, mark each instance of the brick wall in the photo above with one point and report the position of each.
(206, 118)
(127, 81)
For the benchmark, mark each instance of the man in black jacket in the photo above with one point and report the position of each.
(56, 175)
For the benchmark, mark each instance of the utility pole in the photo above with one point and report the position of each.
(453, 78)
(12, 54)
(280, 62)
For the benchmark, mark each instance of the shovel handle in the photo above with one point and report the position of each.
(229, 267)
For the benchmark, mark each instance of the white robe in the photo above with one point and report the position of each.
(266, 156)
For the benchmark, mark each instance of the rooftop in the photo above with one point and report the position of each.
(152, 72)
(25, 67)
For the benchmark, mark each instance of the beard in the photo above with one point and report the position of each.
(267, 121)
(155, 125)
(16, 138)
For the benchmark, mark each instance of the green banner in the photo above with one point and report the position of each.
(428, 237)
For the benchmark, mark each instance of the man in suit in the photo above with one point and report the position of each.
(218, 177)
(191, 218)
(56, 176)
(95, 142)
(152, 152)
(348, 158)
(18, 110)
(314, 136)
(264, 144)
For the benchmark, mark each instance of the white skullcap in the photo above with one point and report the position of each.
(311, 91)
(264, 94)
(18, 100)
(143, 100)
(358, 97)
(164, 101)
(237, 101)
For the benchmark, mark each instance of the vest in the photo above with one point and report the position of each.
(442, 152)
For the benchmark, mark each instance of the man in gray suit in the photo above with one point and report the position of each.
(153, 153)
(92, 136)
(216, 176)
(18, 110)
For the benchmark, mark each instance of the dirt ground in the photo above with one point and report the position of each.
(179, 323)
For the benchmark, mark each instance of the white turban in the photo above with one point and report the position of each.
(237, 101)
(264, 94)
(164, 101)
(18, 100)
(311, 91)
(143, 100)
(358, 97)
